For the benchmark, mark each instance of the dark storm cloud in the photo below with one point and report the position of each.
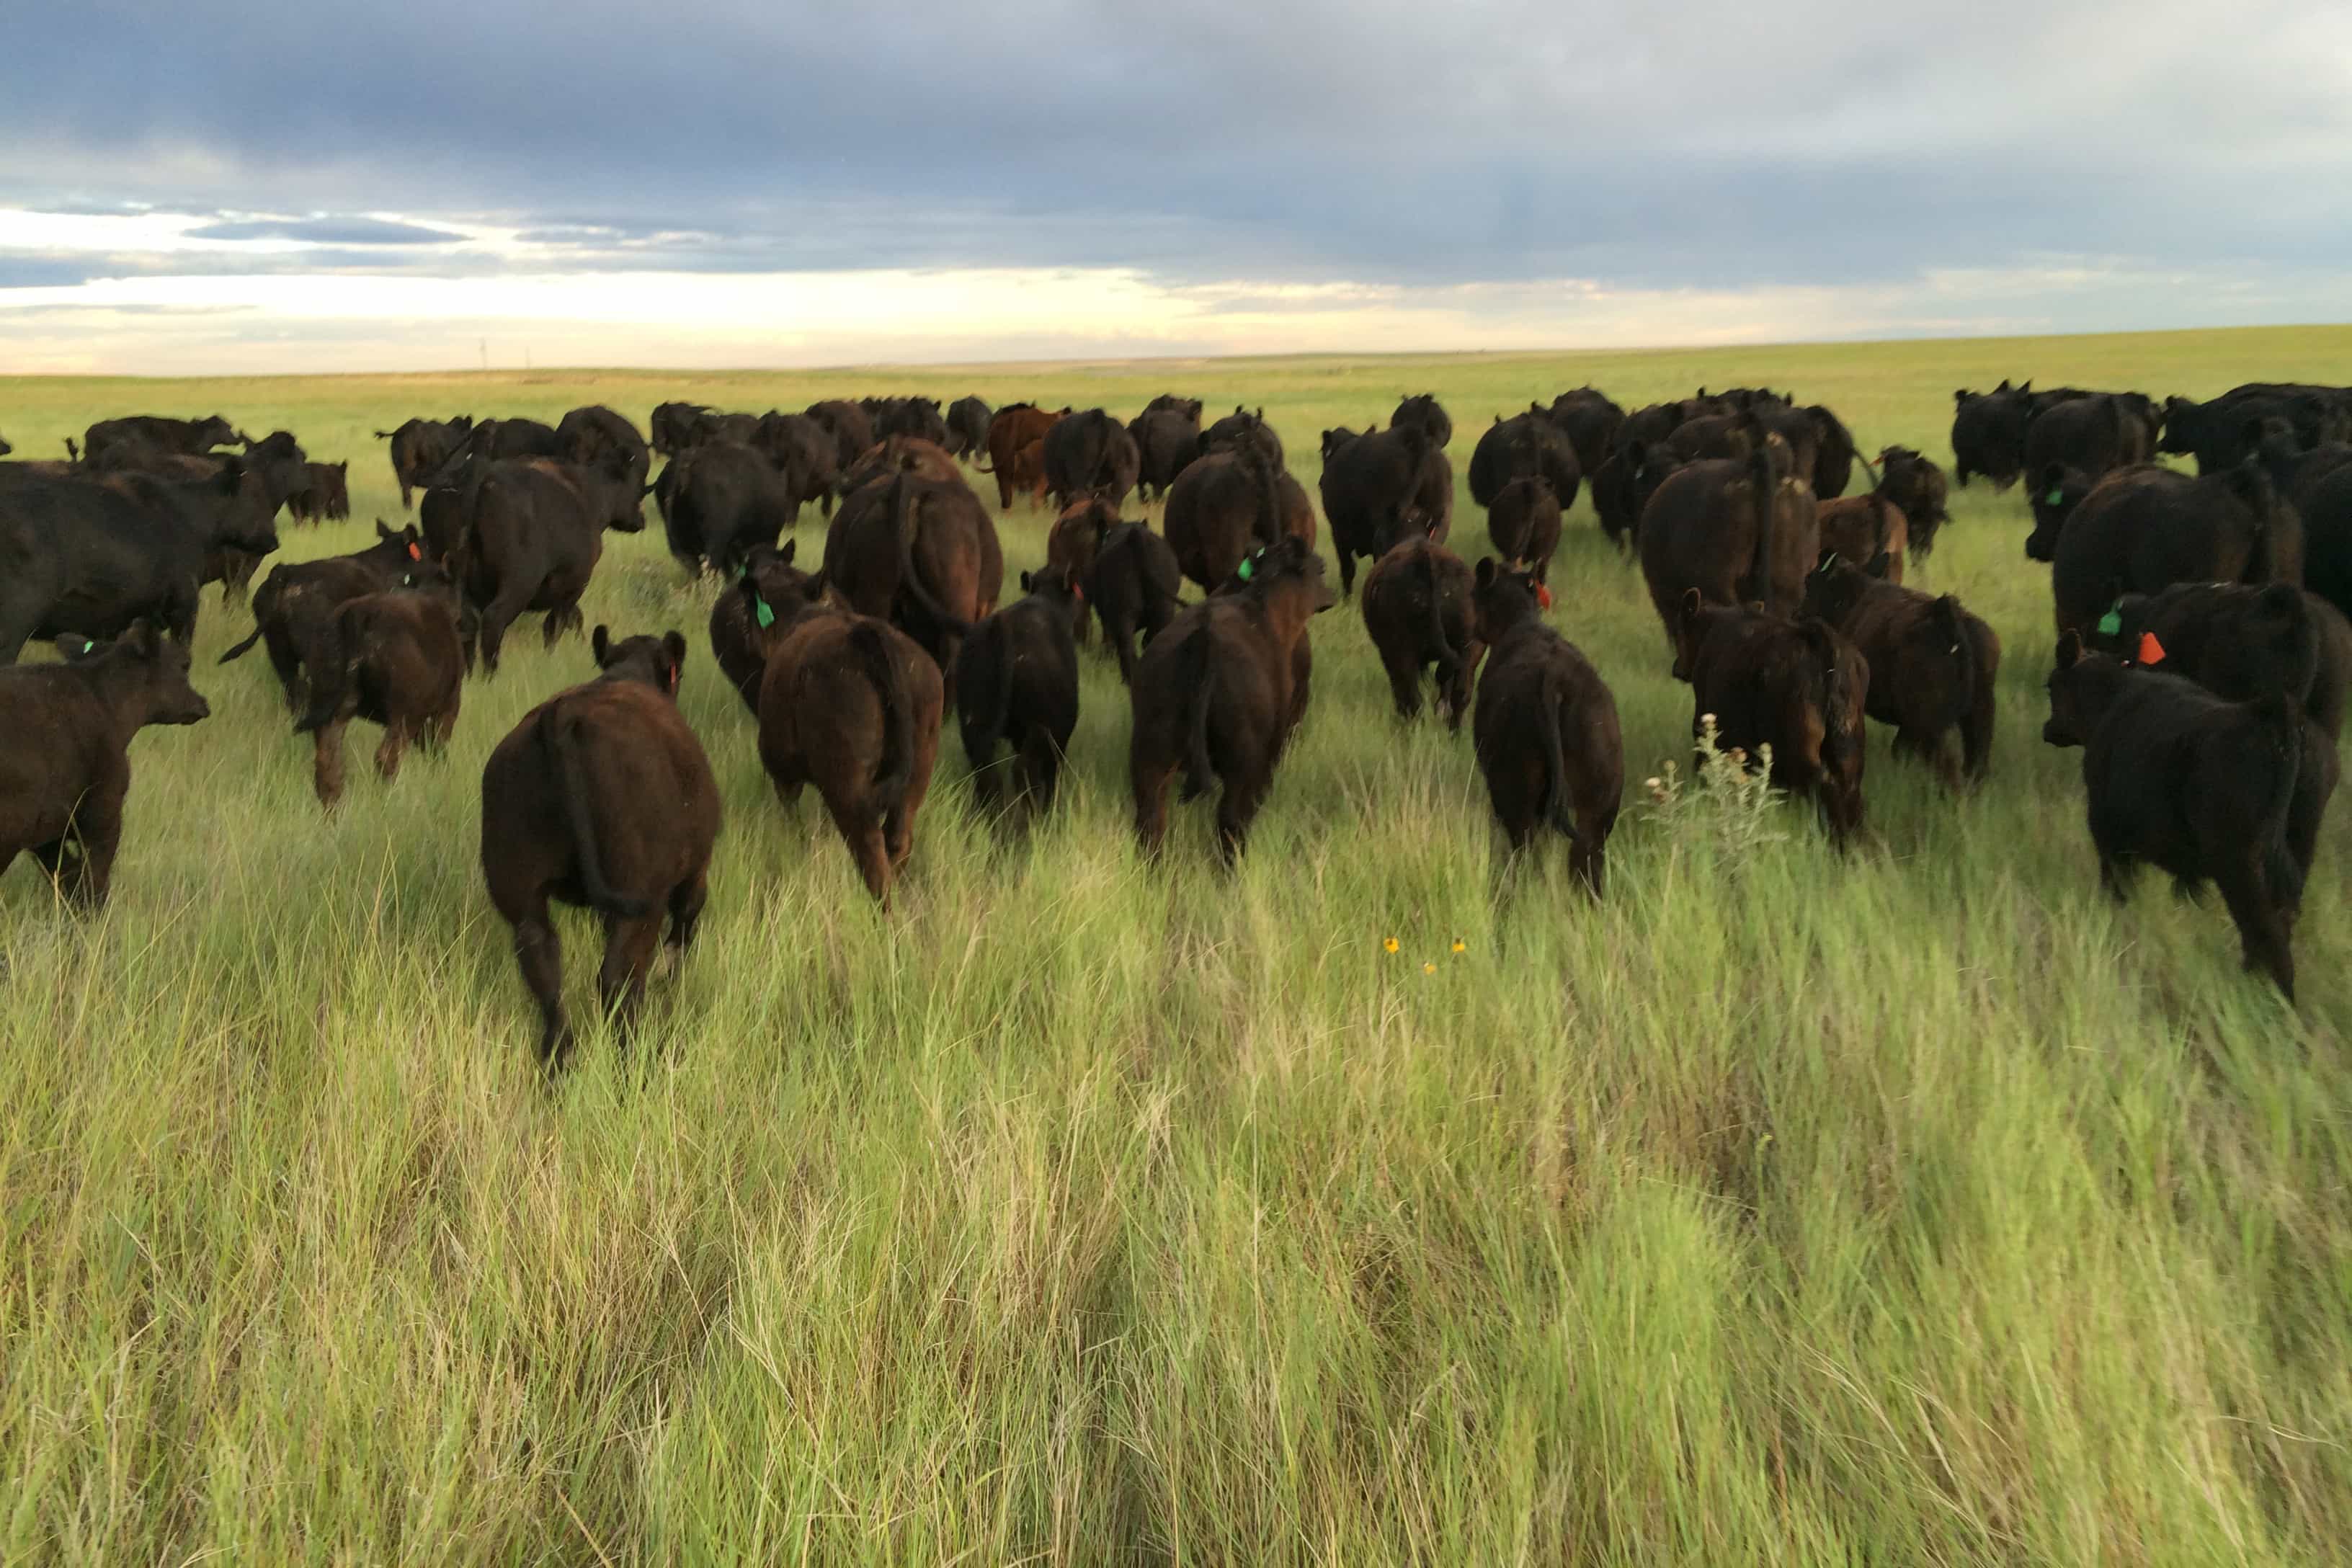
(1710, 143)
(326, 231)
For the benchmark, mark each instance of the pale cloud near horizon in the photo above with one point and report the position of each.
(287, 187)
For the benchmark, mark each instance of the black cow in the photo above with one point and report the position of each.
(1417, 608)
(1623, 486)
(184, 438)
(1591, 422)
(89, 556)
(65, 769)
(1988, 434)
(672, 427)
(2326, 514)
(595, 436)
(1524, 443)
(2086, 435)
(1167, 438)
(2208, 790)
(2142, 529)
(852, 428)
(720, 500)
(2222, 433)
(1916, 487)
(1797, 687)
(2241, 642)
(1090, 454)
(296, 601)
(1016, 683)
(1425, 413)
(1132, 583)
(1934, 667)
(805, 452)
(420, 447)
(1524, 524)
(532, 531)
(1545, 727)
(1242, 428)
(1738, 531)
(1372, 487)
(966, 427)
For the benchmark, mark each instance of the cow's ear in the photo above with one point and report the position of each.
(1028, 583)
(1486, 573)
(1692, 603)
(2070, 648)
(384, 533)
(673, 650)
(600, 642)
(785, 554)
(1881, 563)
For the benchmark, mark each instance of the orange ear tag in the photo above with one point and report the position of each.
(2150, 650)
(1543, 596)
(414, 553)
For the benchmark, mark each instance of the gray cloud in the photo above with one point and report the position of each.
(328, 231)
(1714, 144)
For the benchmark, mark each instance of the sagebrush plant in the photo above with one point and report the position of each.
(1907, 1206)
(1727, 802)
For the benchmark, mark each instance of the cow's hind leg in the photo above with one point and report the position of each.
(686, 901)
(327, 761)
(629, 947)
(2261, 924)
(862, 833)
(540, 953)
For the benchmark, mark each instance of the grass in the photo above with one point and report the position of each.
(1914, 1207)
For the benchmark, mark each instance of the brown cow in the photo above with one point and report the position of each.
(1934, 667)
(1798, 686)
(65, 769)
(393, 660)
(750, 620)
(1229, 503)
(1545, 729)
(1010, 436)
(601, 798)
(897, 454)
(1076, 534)
(1219, 692)
(1417, 609)
(852, 704)
(296, 601)
(1863, 528)
(1738, 530)
(919, 553)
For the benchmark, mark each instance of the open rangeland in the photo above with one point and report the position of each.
(1371, 1203)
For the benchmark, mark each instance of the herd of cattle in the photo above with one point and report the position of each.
(2203, 651)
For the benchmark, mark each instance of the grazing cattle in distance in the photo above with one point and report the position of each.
(1131, 586)
(2241, 642)
(531, 534)
(2208, 790)
(1371, 485)
(601, 798)
(1229, 503)
(1242, 427)
(1916, 487)
(750, 620)
(66, 769)
(1089, 454)
(1524, 443)
(92, 556)
(852, 705)
(1524, 524)
(392, 659)
(1167, 438)
(1546, 728)
(1417, 608)
(721, 500)
(1017, 684)
(1623, 486)
(292, 608)
(2142, 529)
(109, 439)
(1737, 530)
(919, 553)
(1798, 686)
(1219, 692)
(420, 447)
(1934, 667)
(966, 427)
(1015, 428)
(1590, 421)
(1988, 434)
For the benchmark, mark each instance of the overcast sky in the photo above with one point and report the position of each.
(305, 184)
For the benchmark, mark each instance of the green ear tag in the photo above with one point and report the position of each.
(2111, 624)
(2055, 498)
(1246, 570)
(767, 616)
(408, 582)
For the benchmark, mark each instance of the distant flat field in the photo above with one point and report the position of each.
(1918, 1206)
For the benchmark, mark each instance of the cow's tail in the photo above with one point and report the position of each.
(1560, 805)
(869, 642)
(2277, 762)
(905, 519)
(1268, 523)
(328, 663)
(1766, 493)
(2250, 482)
(571, 773)
(1841, 715)
(264, 602)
